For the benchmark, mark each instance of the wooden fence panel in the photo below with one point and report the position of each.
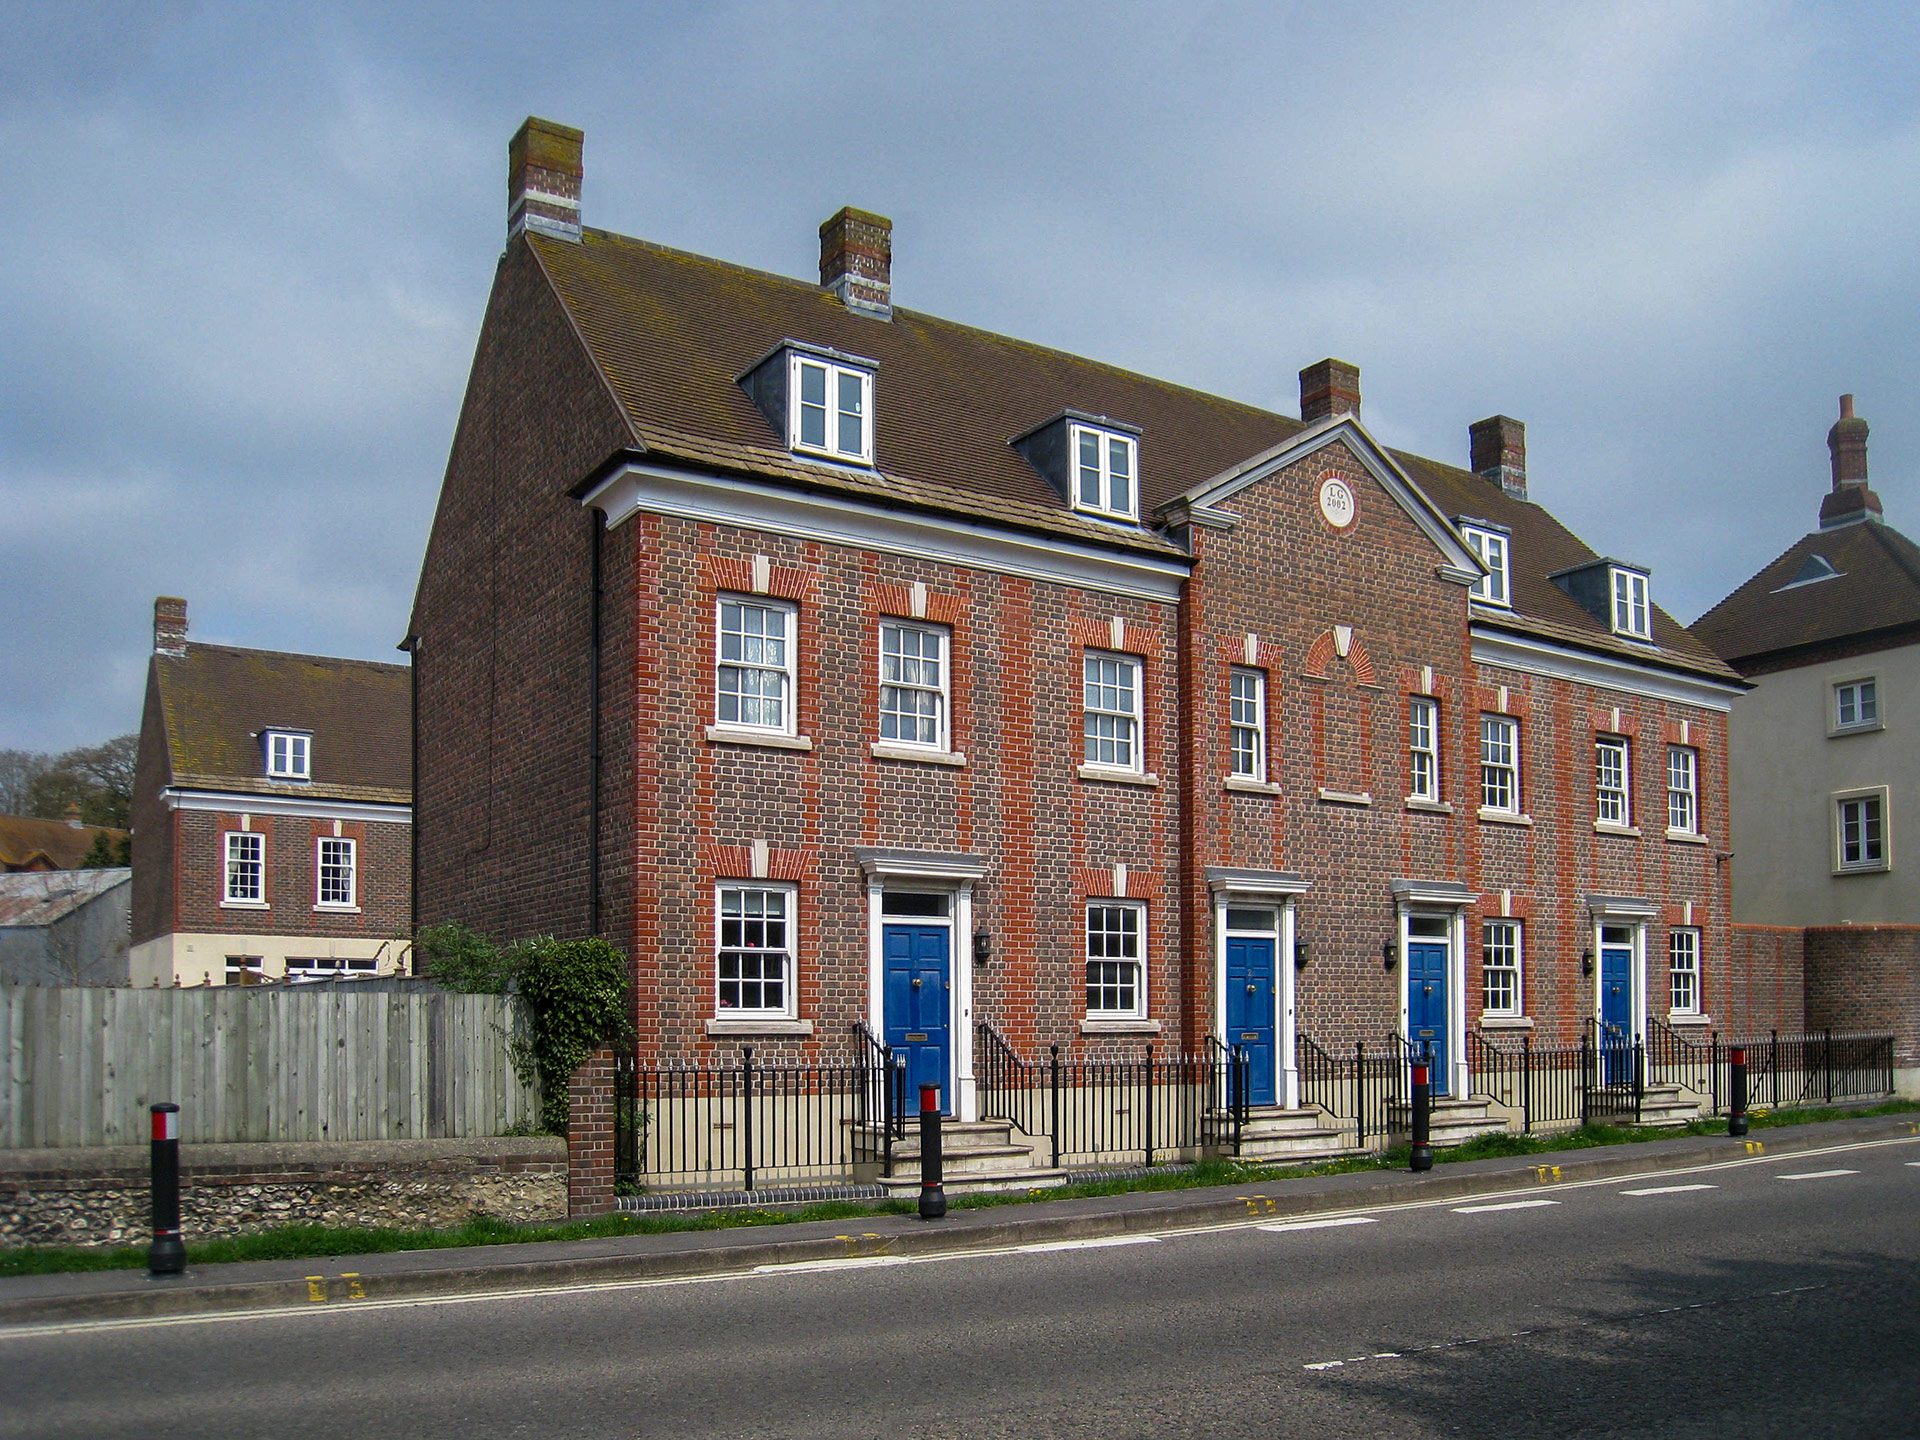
(78, 1067)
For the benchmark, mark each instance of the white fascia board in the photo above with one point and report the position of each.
(1395, 481)
(315, 809)
(840, 520)
(1558, 662)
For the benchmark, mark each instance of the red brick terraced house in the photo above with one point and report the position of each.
(850, 666)
(272, 815)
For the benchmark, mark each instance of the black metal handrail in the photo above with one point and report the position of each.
(1228, 1093)
(883, 1107)
(1361, 1088)
(1015, 1090)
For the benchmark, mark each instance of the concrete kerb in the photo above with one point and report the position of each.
(421, 1275)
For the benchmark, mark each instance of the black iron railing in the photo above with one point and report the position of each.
(1109, 1111)
(751, 1123)
(1605, 1078)
(1813, 1068)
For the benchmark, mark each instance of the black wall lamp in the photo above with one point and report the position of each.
(1301, 953)
(1586, 962)
(1390, 954)
(982, 947)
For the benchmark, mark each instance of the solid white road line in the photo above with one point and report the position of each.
(587, 1287)
(1106, 1242)
(1668, 1189)
(1317, 1224)
(1817, 1175)
(1508, 1205)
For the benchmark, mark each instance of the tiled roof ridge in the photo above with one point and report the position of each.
(928, 318)
(1885, 535)
(387, 665)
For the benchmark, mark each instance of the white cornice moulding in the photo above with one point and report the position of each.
(234, 801)
(839, 520)
(1541, 657)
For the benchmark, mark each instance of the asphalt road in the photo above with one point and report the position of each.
(1776, 1298)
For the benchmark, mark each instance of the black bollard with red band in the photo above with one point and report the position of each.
(1422, 1115)
(1737, 1101)
(167, 1255)
(933, 1199)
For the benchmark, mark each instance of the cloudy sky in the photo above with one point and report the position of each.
(246, 250)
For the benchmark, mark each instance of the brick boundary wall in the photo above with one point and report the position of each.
(101, 1195)
(1764, 987)
(590, 1137)
(1866, 978)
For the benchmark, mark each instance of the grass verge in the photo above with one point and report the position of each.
(304, 1242)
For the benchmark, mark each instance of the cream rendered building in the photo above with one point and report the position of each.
(1825, 755)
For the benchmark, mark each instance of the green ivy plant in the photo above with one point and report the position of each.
(575, 991)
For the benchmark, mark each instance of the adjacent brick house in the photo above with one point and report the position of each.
(272, 814)
(846, 665)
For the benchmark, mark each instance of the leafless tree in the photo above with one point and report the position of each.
(18, 770)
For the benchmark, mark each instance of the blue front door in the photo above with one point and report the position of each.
(919, 1002)
(1427, 1006)
(1250, 1012)
(1616, 1011)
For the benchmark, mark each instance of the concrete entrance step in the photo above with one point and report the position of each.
(1272, 1135)
(1665, 1107)
(904, 1183)
(1450, 1122)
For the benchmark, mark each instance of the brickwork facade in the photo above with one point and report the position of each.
(1318, 567)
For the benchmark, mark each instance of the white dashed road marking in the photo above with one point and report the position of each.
(1817, 1175)
(1668, 1189)
(1317, 1224)
(1104, 1243)
(1506, 1205)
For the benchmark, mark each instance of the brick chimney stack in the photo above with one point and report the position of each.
(170, 626)
(1329, 388)
(1498, 446)
(856, 261)
(543, 180)
(1850, 499)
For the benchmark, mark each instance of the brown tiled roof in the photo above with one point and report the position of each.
(1542, 546)
(216, 700)
(1877, 589)
(672, 332)
(56, 843)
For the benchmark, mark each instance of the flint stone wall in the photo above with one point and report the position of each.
(99, 1195)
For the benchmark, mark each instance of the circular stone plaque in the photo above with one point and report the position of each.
(1337, 502)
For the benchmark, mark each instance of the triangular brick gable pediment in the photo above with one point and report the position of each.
(1457, 560)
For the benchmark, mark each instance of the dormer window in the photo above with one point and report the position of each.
(289, 754)
(1103, 473)
(832, 411)
(1631, 613)
(1490, 543)
(819, 400)
(1612, 592)
(1093, 461)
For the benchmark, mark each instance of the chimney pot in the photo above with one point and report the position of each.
(73, 815)
(170, 626)
(1850, 498)
(856, 261)
(1498, 446)
(1329, 388)
(543, 180)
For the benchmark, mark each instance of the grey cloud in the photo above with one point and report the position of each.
(239, 309)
